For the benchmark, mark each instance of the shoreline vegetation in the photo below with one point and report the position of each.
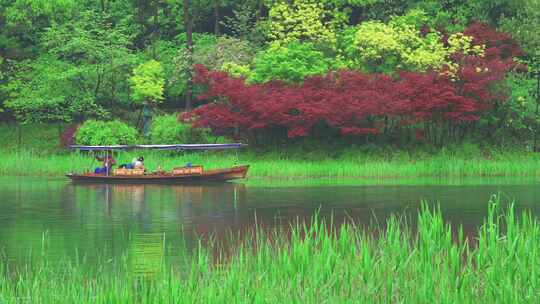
(308, 263)
(37, 153)
(273, 165)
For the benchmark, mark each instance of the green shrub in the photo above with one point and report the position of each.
(167, 130)
(520, 108)
(94, 132)
(291, 63)
(513, 121)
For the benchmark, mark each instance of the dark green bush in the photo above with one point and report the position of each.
(167, 130)
(94, 132)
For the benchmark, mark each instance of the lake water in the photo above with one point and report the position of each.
(69, 219)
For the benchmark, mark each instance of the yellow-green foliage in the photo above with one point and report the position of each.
(236, 70)
(462, 43)
(148, 82)
(399, 44)
(300, 20)
(402, 45)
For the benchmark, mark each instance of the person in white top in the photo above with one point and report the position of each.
(138, 163)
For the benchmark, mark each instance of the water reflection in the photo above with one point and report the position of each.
(153, 207)
(108, 220)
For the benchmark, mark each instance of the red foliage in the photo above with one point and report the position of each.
(358, 104)
(430, 97)
(476, 77)
(498, 44)
(342, 100)
(351, 102)
(420, 134)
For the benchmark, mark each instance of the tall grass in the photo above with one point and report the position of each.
(315, 264)
(274, 165)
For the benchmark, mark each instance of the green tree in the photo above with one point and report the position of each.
(224, 51)
(216, 53)
(100, 48)
(49, 89)
(516, 118)
(1, 87)
(22, 22)
(524, 25)
(188, 22)
(291, 63)
(81, 72)
(148, 83)
(244, 24)
(173, 56)
(165, 52)
(303, 20)
(153, 20)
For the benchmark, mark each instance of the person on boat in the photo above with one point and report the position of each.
(126, 166)
(108, 162)
(138, 163)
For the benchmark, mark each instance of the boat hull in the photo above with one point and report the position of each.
(217, 175)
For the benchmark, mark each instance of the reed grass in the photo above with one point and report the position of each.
(516, 164)
(314, 263)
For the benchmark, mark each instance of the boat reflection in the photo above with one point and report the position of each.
(199, 207)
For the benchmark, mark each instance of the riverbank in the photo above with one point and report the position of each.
(309, 264)
(352, 165)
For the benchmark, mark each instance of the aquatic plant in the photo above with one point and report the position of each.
(311, 263)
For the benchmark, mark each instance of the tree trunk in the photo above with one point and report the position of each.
(189, 43)
(147, 120)
(216, 17)
(113, 77)
(113, 84)
(156, 34)
(260, 10)
(98, 83)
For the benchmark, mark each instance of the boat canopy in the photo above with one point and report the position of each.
(160, 147)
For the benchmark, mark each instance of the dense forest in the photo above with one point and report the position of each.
(270, 71)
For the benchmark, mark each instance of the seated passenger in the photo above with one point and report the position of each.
(108, 162)
(138, 163)
(128, 166)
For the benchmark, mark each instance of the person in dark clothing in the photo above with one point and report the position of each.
(108, 162)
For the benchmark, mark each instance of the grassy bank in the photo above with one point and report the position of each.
(39, 137)
(311, 265)
(33, 150)
(352, 165)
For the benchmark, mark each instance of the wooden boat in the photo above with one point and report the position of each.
(215, 175)
(188, 174)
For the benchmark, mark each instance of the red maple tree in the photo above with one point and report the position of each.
(356, 103)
